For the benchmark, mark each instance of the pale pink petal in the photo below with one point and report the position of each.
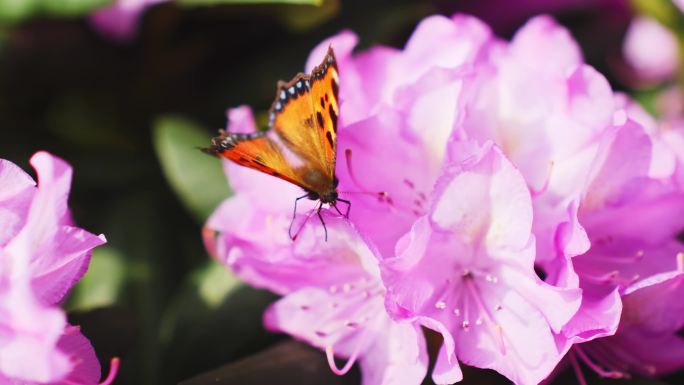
(598, 315)
(29, 333)
(15, 198)
(541, 35)
(389, 352)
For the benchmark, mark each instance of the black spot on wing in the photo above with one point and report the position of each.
(328, 136)
(334, 86)
(322, 102)
(333, 116)
(319, 117)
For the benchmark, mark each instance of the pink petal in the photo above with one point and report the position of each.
(389, 352)
(446, 372)
(29, 336)
(541, 35)
(87, 368)
(598, 315)
(15, 198)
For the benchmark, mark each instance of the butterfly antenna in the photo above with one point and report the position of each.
(294, 215)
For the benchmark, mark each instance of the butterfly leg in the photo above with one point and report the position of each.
(346, 214)
(318, 211)
(294, 215)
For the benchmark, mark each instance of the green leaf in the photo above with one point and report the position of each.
(662, 10)
(12, 11)
(211, 2)
(102, 284)
(214, 282)
(196, 178)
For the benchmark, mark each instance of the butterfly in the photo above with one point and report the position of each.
(301, 144)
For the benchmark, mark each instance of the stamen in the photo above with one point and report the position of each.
(608, 373)
(578, 370)
(440, 305)
(680, 261)
(330, 355)
(491, 278)
(496, 328)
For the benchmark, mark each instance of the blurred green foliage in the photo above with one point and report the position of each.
(129, 117)
(16, 10)
(196, 178)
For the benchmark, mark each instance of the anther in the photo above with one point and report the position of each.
(440, 305)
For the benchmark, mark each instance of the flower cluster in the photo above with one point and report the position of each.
(42, 255)
(510, 200)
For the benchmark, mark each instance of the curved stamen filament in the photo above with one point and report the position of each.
(578, 370)
(330, 355)
(608, 373)
(489, 319)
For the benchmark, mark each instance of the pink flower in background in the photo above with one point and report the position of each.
(651, 50)
(120, 19)
(42, 255)
(466, 270)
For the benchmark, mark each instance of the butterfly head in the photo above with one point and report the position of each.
(330, 196)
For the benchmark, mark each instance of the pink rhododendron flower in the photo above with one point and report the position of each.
(596, 180)
(651, 50)
(334, 298)
(467, 270)
(42, 255)
(469, 161)
(120, 19)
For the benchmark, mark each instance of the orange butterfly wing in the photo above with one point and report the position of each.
(304, 115)
(304, 119)
(255, 150)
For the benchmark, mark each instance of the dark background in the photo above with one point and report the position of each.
(127, 116)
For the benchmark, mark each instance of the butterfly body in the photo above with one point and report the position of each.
(300, 146)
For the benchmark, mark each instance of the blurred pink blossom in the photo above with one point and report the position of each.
(651, 50)
(42, 255)
(119, 20)
(679, 4)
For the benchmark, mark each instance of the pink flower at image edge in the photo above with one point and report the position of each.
(42, 255)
